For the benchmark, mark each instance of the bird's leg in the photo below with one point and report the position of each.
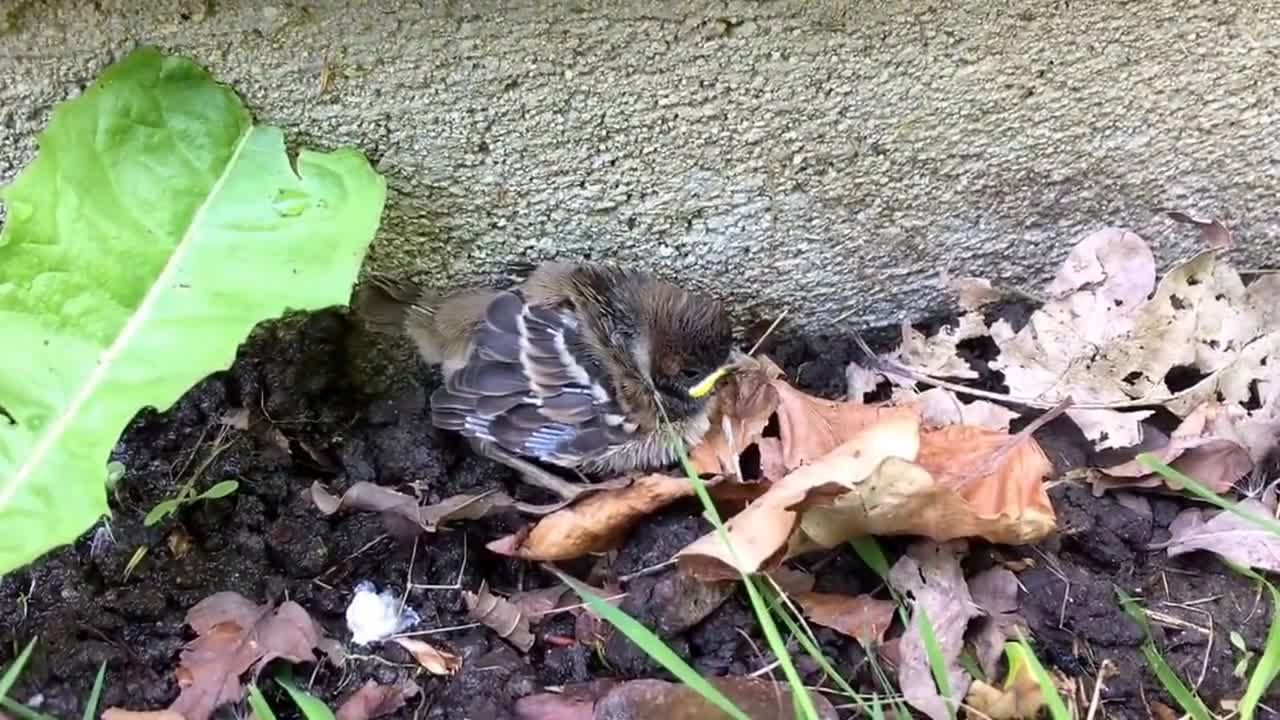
(547, 480)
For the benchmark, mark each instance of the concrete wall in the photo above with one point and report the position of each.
(823, 157)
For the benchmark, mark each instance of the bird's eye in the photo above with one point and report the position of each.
(691, 373)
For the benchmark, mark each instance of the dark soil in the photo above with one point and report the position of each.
(268, 542)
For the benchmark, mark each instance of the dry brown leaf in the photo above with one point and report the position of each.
(431, 658)
(595, 524)
(499, 615)
(1100, 339)
(373, 700)
(972, 293)
(861, 617)
(1212, 231)
(998, 475)
(401, 513)
(179, 542)
(647, 699)
(995, 592)
(235, 634)
(760, 533)
(810, 427)
(937, 355)
(870, 486)
(930, 572)
(236, 419)
(1020, 699)
(1227, 535)
(1206, 446)
(122, 714)
(791, 581)
(744, 402)
(535, 604)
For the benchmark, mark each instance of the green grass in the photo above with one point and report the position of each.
(10, 678)
(1264, 673)
(661, 653)
(1178, 690)
(1021, 652)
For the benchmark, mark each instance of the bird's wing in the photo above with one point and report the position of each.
(526, 389)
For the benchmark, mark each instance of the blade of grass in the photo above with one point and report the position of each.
(309, 705)
(763, 616)
(802, 636)
(1264, 673)
(937, 663)
(1204, 493)
(1057, 709)
(652, 645)
(872, 555)
(22, 711)
(1184, 696)
(11, 675)
(95, 695)
(259, 705)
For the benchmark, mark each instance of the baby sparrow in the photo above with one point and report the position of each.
(578, 366)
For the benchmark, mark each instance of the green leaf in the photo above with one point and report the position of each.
(1021, 653)
(157, 513)
(1268, 667)
(1186, 698)
(11, 674)
(937, 662)
(95, 695)
(309, 705)
(258, 703)
(653, 646)
(220, 490)
(155, 228)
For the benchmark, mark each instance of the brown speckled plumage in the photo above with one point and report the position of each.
(575, 367)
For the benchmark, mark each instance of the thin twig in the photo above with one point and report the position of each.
(768, 331)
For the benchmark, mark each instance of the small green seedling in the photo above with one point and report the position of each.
(187, 496)
(1246, 655)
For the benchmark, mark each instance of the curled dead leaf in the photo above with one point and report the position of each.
(499, 615)
(431, 658)
(601, 521)
(1205, 446)
(402, 514)
(989, 485)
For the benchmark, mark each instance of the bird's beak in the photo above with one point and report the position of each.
(708, 383)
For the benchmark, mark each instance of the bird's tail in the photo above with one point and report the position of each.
(388, 305)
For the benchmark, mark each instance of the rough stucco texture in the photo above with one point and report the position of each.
(826, 158)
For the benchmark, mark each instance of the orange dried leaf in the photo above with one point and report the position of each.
(861, 617)
(599, 522)
(870, 486)
(431, 658)
(811, 427)
(998, 475)
(761, 532)
(744, 402)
